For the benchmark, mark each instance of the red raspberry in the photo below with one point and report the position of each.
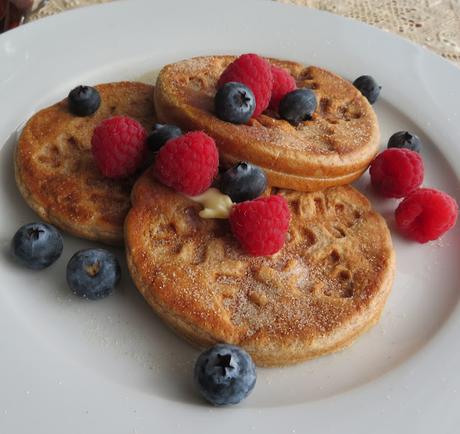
(255, 72)
(426, 214)
(260, 225)
(118, 146)
(396, 172)
(283, 83)
(188, 163)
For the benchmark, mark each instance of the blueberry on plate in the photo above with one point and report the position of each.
(84, 100)
(93, 273)
(234, 102)
(161, 134)
(404, 139)
(225, 374)
(36, 245)
(298, 106)
(368, 87)
(243, 181)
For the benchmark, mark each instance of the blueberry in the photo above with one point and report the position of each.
(404, 139)
(368, 87)
(225, 374)
(84, 100)
(234, 102)
(93, 273)
(36, 245)
(244, 181)
(298, 105)
(161, 134)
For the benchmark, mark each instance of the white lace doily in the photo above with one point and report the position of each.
(432, 23)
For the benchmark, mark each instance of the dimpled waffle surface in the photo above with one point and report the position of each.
(333, 148)
(326, 286)
(57, 174)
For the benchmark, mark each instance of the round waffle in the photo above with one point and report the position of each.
(333, 148)
(57, 174)
(326, 286)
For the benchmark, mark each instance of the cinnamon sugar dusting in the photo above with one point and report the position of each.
(343, 123)
(313, 286)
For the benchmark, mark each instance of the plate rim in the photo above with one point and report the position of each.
(447, 330)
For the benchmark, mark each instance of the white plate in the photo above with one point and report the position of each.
(72, 366)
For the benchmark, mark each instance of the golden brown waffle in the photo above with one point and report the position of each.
(56, 172)
(317, 295)
(333, 148)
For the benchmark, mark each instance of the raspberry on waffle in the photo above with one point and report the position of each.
(119, 146)
(255, 72)
(188, 163)
(260, 225)
(283, 83)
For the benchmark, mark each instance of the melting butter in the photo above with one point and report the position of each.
(216, 205)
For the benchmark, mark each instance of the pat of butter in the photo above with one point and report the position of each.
(216, 205)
